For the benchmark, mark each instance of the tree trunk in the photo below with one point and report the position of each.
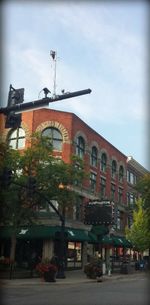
(13, 247)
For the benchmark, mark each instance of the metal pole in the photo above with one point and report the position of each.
(43, 102)
(61, 268)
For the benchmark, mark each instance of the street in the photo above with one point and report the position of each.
(114, 292)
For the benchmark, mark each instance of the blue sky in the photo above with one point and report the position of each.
(100, 45)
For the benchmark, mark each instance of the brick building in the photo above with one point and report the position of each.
(108, 170)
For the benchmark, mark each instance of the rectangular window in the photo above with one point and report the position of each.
(103, 187)
(113, 190)
(131, 177)
(131, 199)
(77, 209)
(119, 220)
(93, 182)
(130, 221)
(120, 195)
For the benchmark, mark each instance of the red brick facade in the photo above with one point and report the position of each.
(71, 127)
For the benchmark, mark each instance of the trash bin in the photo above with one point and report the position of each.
(137, 265)
(142, 265)
(125, 268)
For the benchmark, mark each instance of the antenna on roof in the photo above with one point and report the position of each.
(53, 54)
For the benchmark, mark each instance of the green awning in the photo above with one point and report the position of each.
(29, 232)
(121, 241)
(117, 241)
(46, 232)
(106, 240)
(92, 238)
(77, 234)
(126, 242)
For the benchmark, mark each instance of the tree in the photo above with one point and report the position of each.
(19, 201)
(139, 233)
(143, 186)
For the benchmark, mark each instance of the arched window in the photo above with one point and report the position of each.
(17, 138)
(80, 147)
(55, 137)
(121, 173)
(103, 162)
(114, 168)
(94, 156)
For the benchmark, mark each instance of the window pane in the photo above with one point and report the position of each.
(13, 134)
(21, 132)
(103, 162)
(55, 136)
(80, 147)
(94, 156)
(12, 143)
(47, 133)
(21, 143)
(17, 138)
(57, 145)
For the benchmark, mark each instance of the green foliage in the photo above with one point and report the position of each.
(143, 186)
(139, 233)
(18, 204)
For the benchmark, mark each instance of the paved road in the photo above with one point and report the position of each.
(128, 291)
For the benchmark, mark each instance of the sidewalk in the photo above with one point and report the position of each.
(72, 277)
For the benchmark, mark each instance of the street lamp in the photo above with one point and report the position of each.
(61, 269)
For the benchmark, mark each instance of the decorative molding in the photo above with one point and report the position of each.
(56, 125)
(7, 132)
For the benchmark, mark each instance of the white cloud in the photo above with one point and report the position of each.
(98, 49)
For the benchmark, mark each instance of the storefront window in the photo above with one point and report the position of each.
(74, 254)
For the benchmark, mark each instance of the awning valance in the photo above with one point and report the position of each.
(29, 232)
(121, 241)
(46, 232)
(106, 240)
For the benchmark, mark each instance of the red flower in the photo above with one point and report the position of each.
(46, 267)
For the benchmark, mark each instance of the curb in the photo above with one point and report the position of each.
(68, 281)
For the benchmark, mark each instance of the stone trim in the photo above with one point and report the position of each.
(57, 125)
(7, 132)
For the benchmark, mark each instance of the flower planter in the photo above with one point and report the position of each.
(49, 276)
(47, 271)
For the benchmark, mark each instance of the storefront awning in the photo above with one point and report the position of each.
(45, 232)
(106, 240)
(117, 241)
(29, 232)
(77, 234)
(92, 238)
(126, 242)
(121, 241)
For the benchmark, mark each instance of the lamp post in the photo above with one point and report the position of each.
(61, 269)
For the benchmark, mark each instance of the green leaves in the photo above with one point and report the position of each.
(38, 162)
(139, 232)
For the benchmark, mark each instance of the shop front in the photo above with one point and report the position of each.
(43, 242)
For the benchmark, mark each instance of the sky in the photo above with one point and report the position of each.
(101, 45)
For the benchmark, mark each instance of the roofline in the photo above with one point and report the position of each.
(73, 114)
(136, 165)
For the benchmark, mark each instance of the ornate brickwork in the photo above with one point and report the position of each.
(6, 132)
(57, 125)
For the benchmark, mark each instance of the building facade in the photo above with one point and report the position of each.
(112, 177)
